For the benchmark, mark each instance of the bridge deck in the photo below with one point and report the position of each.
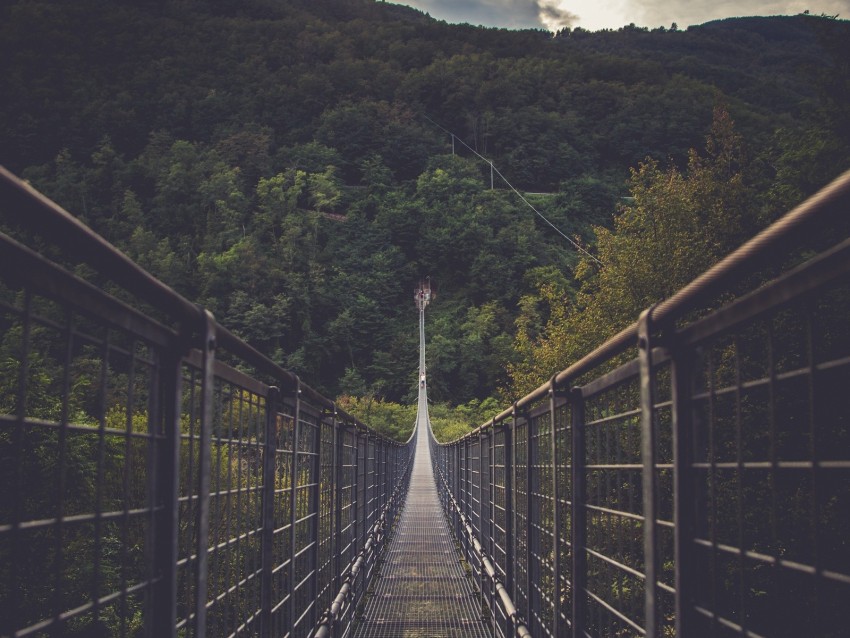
(422, 589)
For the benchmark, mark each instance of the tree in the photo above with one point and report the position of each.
(677, 225)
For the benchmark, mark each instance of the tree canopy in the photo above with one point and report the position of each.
(278, 161)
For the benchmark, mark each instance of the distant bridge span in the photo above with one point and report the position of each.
(160, 477)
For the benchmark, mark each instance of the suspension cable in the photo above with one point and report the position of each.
(575, 244)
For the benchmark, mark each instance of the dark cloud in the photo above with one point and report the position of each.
(515, 14)
(554, 17)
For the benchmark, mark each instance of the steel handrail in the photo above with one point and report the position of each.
(40, 215)
(827, 202)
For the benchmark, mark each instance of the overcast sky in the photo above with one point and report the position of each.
(613, 14)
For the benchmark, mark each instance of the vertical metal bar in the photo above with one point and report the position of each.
(467, 493)
(513, 543)
(482, 539)
(360, 492)
(556, 518)
(380, 473)
(647, 405)
(126, 478)
(529, 517)
(293, 502)
(336, 500)
(204, 471)
(491, 522)
(368, 486)
(163, 612)
(97, 554)
(578, 528)
(739, 488)
(683, 488)
(21, 407)
(456, 487)
(816, 475)
(316, 511)
(509, 507)
(713, 489)
(267, 540)
(68, 335)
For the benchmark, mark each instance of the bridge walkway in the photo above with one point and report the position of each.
(422, 589)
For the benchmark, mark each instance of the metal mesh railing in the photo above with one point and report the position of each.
(691, 476)
(159, 476)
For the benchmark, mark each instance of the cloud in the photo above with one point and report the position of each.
(554, 16)
(515, 14)
(597, 14)
(653, 13)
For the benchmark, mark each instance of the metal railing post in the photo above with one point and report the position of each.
(556, 518)
(361, 492)
(204, 471)
(578, 528)
(456, 487)
(163, 617)
(647, 404)
(267, 540)
(529, 515)
(481, 510)
(316, 513)
(293, 501)
(683, 491)
(336, 500)
(513, 542)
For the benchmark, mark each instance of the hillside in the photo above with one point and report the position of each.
(222, 143)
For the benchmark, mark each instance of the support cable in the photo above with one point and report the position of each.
(575, 244)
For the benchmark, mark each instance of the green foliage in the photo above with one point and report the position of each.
(450, 423)
(683, 221)
(271, 161)
(385, 417)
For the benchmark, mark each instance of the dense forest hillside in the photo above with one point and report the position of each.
(288, 164)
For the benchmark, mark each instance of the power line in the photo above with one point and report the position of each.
(511, 186)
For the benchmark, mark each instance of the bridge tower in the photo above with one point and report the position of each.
(422, 294)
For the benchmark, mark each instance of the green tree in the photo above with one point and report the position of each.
(677, 225)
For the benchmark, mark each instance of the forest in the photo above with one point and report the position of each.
(297, 166)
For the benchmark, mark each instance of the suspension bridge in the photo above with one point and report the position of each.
(161, 477)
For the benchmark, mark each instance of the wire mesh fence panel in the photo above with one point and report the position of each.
(78, 451)
(348, 507)
(521, 518)
(541, 525)
(769, 456)
(614, 597)
(281, 550)
(485, 508)
(563, 470)
(501, 534)
(326, 569)
(690, 476)
(160, 477)
(235, 510)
